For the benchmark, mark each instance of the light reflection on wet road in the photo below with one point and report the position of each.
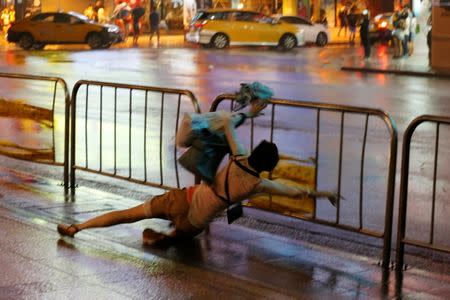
(308, 74)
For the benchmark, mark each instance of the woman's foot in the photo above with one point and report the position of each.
(67, 230)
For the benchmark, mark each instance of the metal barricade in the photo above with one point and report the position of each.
(405, 172)
(55, 85)
(128, 131)
(341, 111)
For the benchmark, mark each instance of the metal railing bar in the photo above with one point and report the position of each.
(145, 135)
(426, 245)
(144, 88)
(67, 125)
(115, 130)
(160, 139)
(53, 120)
(346, 227)
(272, 122)
(433, 203)
(404, 182)
(312, 105)
(392, 131)
(139, 181)
(86, 126)
(130, 110)
(175, 144)
(361, 176)
(341, 141)
(101, 126)
(316, 158)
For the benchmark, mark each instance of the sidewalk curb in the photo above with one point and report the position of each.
(430, 73)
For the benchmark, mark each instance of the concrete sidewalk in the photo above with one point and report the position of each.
(230, 262)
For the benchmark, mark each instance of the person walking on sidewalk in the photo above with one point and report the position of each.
(191, 209)
(364, 34)
(154, 25)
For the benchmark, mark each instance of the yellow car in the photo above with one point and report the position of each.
(228, 27)
(62, 28)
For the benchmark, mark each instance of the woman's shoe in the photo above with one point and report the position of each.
(67, 230)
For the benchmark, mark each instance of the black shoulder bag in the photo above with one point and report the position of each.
(234, 211)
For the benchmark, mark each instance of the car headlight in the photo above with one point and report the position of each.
(113, 29)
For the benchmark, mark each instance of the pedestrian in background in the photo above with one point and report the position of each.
(154, 25)
(6, 20)
(343, 22)
(407, 29)
(323, 17)
(398, 34)
(352, 22)
(137, 12)
(413, 30)
(99, 12)
(122, 16)
(364, 33)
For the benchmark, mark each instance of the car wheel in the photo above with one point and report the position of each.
(26, 41)
(38, 46)
(219, 41)
(106, 46)
(288, 42)
(94, 40)
(322, 39)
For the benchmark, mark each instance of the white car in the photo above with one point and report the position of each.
(313, 33)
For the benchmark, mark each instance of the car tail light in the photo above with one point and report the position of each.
(383, 24)
(199, 25)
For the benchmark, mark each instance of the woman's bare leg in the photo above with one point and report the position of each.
(129, 215)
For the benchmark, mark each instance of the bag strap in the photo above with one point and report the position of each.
(248, 170)
(227, 186)
(227, 190)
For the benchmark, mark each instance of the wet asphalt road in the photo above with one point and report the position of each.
(309, 73)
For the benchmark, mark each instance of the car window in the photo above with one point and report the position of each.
(202, 15)
(62, 18)
(218, 16)
(294, 20)
(74, 20)
(245, 16)
(43, 18)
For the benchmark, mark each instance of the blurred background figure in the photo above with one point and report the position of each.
(122, 16)
(323, 17)
(154, 25)
(99, 12)
(352, 19)
(89, 12)
(137, 12)
(343, 22)
(6, 20)
(364, 33)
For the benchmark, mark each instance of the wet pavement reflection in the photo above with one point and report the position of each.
(228, 262)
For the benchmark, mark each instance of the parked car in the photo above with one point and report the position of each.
(63, 28)
(228, 27)
(314, 32)
(381, 27)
